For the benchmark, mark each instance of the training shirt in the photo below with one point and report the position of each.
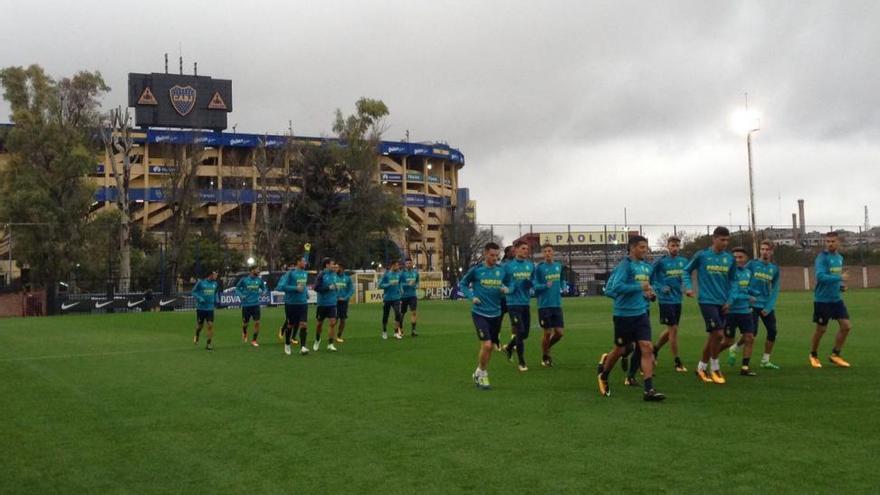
(829, 268)
(325, 286)
(485, 282)
(740, 295)
(409, 282)
(764, 285)
(520, 273)
(625, 287)
(249, 290)
(548, 297)
(205, 294)
(716, 272)
(293, 285)
(344, 287)
(668, 280)
(390, 283)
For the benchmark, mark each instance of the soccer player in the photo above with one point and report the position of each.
(296, 305)
(548, 290)
(325, 286)
(519, 270)
(205, 294)
(285, 267)
(508, 255)
(740, 312)
(828, 303)
(390, 284)
(409, 300)
(765, 288)
(667, 282)
(249, 290)
(716, 273)
(345, 289)
(484, 285)
(630, 287)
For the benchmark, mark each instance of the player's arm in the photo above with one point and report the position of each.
(417, 281)
(383, 284)
(539, 282)
(692, 265)
(464, 285)
(240, 288)
(197, 292)
(281, 286)
(823, 271)
(774, 293)
(508, 283)
(658, 277)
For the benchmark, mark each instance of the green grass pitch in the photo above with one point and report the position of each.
(126, 403)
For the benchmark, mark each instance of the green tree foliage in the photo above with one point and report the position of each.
(51, 150)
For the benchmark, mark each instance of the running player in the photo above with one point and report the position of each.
(629, 285)
(519, 270)
(249, 290)
(285, 267)
(765, 288)
(740, 312)
(390, 284)
(345, 289)
(205, 294)
(828, 303)
(508, 256)
(548, 290)
(716, 272)
(296, 305)
(667, 281)
(325, 286)
(484, 285)
(409, 299)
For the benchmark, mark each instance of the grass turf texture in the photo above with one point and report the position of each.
(126, 403)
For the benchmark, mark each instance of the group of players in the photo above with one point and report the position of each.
(734, 294)
(334, 288)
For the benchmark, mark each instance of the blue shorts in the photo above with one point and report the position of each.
(550, 318)
(203, 315)
(824, 312)
(341, 310)
(521, 319)
(248, 312)
(629, 329)
(769, 322)
(408, 303)
(712, 315)
(744, 322)
(487, 327)
(296, 314)
(670, 314)
(324, 312)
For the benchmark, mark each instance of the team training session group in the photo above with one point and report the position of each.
(733, 292)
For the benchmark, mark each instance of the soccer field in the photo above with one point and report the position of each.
(126, 403)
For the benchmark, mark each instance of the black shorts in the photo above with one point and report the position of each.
(824, 312)
(629, 329)
(296, 314)
(409, 303)
(670, 314)
(550, 318)
(713, 317)
(769, 322)
(203, 315)
(324, 312)
(744, 322)
(487, 327)
(250, 312)
(521, 319)
(341, 310)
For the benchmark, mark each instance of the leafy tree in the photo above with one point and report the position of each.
(51, 151)
(116, 134)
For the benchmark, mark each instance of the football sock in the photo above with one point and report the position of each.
(835, 351)
(255, 336)
(512, 344)
(302, 336)
(198, 332)
(677, 360)
(520, 350)
(746, 362)
(814, 354)
(649, 384)
(765, 358)
(701, 366)
(413, 327)
(715, 365)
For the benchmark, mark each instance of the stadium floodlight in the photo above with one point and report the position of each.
(747, 121)
(430, 166)
(251, 261)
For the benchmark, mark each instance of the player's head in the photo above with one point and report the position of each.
(254, 270)
(673, 245)
(508, 252)
(328, 263)
(340, 267)
(490, 253)
(832, 241)
(547, 251)
(300, 262)
(408, 263)
(766, 250)
(740, 255)
(212, 275)
(720, 238)
(394, 265)
(638, 247)
(521, 249)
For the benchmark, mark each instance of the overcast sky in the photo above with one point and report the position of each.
(565, 111)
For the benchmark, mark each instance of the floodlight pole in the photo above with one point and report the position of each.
(752, 196)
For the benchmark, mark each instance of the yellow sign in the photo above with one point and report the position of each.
(583, 238)
(373, 296)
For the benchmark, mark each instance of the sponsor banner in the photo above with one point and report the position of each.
(68, 306)
(391, 177)
(415, 200)
(433, 179)
(160, 169)
(448, 182)
(229, 299)
(100, 168)
(373, 296)
(584, 238)
(434, 202)
(438, 293)
(415, 177)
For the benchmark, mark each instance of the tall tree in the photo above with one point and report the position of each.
(118, 147)
(52, 149)
(273, 167)
(180, 192)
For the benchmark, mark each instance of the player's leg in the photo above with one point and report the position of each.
(199, 322)
(486, 329)
(414, 319)
(647, 360)
(673, 346)
(319, 327)
(386, 310)
(844, 328)
(245, 320)
(748, 342)
(635, 364)
(398, 320)
(522, 333)
(256, 327)
(209, 323)
(331, 341)
(769, 321)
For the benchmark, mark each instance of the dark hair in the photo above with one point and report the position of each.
(408, 259)
(340, 265)
(831, 234)
(491, 245)
(768, 243)
(547, 245)
(519, 243)
(720, 232)
(635, 240)
(393, 261)
(739, 249)
(673, 238)
(325, 262)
